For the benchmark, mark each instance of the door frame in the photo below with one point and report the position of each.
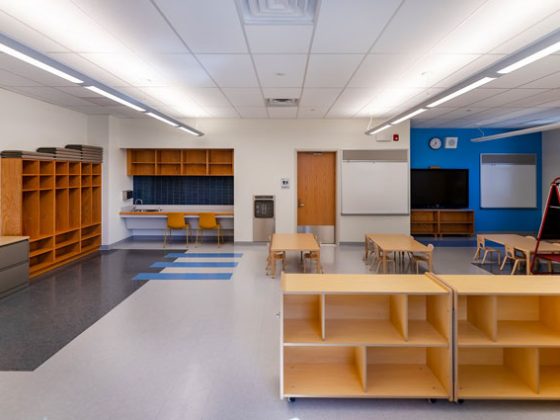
(337, 157)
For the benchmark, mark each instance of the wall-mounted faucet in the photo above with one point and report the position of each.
(138, 201)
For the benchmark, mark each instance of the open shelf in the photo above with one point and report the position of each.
(391, 340)
(441, 222)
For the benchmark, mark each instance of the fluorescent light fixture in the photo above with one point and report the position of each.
(533, 57)
(380, 129)
(114, 98)
(409, 116)
(461, 91)
(162, 119)
(39, 64)
(189, 130)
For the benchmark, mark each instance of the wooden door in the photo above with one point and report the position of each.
(316, 184)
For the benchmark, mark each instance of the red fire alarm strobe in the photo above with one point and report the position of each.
(395, 137)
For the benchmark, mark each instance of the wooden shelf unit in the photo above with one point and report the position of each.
(441, 222)
(366, 336)
(507, 335)
(51, 202)
(180, 162)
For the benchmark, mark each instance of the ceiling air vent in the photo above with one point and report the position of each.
(279, 12)
(281, 102)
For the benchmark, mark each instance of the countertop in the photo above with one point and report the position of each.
(8, 240)
(162, 213)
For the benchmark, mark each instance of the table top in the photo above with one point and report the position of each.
(165, 213)
(503, 285)
(520, 242)
(8, 240)
(360, 283)
(397, 242)
(294, 242)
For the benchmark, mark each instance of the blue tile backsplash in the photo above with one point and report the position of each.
(183, 189)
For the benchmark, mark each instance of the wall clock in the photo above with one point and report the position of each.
(435, 143)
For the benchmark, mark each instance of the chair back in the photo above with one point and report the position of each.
(207, 221)
(510, 251)
(479, 241)
(176, 221)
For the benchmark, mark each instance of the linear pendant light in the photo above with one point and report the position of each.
(114, 98)
(530, 59)
(34, 62)
(461, 91)
(190, 131)
(162, 119)
(409, 116)
(385, 127)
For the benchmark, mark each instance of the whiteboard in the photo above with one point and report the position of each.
(508, 185)
(374, 187)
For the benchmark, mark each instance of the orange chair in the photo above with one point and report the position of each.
(176, 221)
(207, 221)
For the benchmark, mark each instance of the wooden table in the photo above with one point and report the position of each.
(522, 244)
(285, 242)
(396, 242)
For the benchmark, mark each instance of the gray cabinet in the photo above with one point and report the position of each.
(14, 264)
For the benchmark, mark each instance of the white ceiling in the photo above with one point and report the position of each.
(361, 58)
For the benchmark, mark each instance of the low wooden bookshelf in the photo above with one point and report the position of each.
(56, 203)
(180, 162)
(442, 222)
(365, 336)
(507, 334)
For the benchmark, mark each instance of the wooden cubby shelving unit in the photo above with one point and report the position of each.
(180, 162)
(442, 222)
(507, 336)
(366, 336)
(57, 204)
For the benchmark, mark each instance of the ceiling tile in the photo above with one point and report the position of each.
(132, 31)
(331, 70)
(252, 112)
(419, 25)
(128, 67)
(88, 68)
(287, 112)
(508, 96)
(27, 35)
(279, 39)
(351, 101)
(536, 100)
(209, 97)
(53, 96)
(373, 70)
(271, 92)
(209, 26)
(230, 70)
(319, 97)
(245, 97)
(280, 70)
(312, 112)
(27, 71)
(466, 71)
(179, 100)
(351, 26)
(549, 82)
(222, 112)
(10, 79)
(474, 96)
(181, 68)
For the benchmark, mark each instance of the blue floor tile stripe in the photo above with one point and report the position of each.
(205, 255)
(183, 276)
(208, 264)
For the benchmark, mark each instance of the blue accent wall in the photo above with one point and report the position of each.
(201, 190)
(467, 155)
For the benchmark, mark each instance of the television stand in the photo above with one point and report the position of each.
(442, 222)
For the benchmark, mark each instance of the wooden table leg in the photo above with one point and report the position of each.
(430, 262)
(273, 262)
(366, 249)
(384, 259)
(319, 268)
(528, 262)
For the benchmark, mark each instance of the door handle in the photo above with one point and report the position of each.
(300, 204)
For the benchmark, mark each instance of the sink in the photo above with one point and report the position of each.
(145, 210)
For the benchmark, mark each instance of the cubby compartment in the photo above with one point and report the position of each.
(46, 212)
(62, 221)
(86, 181)
(96, 180)
(74, 197)
(195, 169)
(429, 320)
(86, 168)
(324, 371)
(41, 261)
(549, 372)
(409, 372)
(497, 372)
(62, 181)
(74, 168)
(142, 155)
(91, 232)
(96, 168)
(30, 167)
(302, 319)
(476, 319)
(86, 206)
(40, 246)
(169, 156)
(61, 168)
(46, 167)
(74, 181)
(96, 205)
(30, 182)
(366, 319)
(66, 252)
(67, 238)
(221, 169)
(171, 169)
(46, 182)
(91, 244)
(30, 214)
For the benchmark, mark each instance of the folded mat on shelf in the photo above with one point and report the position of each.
(24, 154)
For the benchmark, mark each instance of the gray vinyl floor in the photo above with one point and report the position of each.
(210, 350)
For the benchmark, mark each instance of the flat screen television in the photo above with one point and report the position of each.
(439, 188)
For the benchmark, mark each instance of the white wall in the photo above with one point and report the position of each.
(265, 152)
(26, 124)
(550, 160)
